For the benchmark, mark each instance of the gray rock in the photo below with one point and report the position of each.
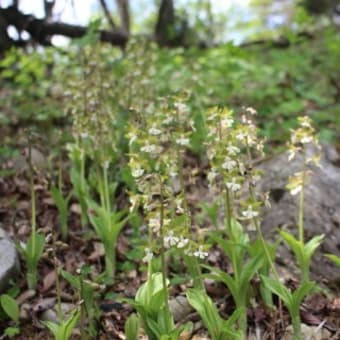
(9, 261)
(51, 314)
(308, 332)
(180, 307)
(321, 211)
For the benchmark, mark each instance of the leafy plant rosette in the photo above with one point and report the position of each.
(153, 314)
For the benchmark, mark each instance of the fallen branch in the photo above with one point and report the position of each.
(41, 30)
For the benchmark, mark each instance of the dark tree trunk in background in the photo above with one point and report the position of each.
(48, 7)
(124, 12)
(320, 6)
(164, 30)
(107, 14)
(5, 41)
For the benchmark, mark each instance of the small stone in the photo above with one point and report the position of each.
(52, 314)
(308, 332)
(180, 307)
(9, 261)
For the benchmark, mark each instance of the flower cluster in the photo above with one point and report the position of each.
(89, 100)
(229, 146)
(157, 146)
(300, 137)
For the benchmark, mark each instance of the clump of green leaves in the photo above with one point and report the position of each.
(218, 328)
(64, 329)
(153, 312)
(11, 308)
(88, 294)
(33, 249)
(300, 137)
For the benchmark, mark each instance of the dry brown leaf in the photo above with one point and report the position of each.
(98, 251)
(49, 281)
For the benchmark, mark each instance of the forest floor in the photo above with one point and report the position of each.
(320, 311)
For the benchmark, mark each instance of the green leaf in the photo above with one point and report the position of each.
(132, 327)
(71, 279)
(63, 331)
(12, 331)
(296, 246)
(279, 289)
(228, 324)
(53, 327)
(299, 294)
(312, 245)
(204, 306)
(70, 324)
(227, 279)
(10, 306)
(250, 269)
(334, 258)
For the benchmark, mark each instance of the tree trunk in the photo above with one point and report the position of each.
(124, 12)
(164, 30)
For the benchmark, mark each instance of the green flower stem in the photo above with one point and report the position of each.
(82, 188)
(106, 190)
(60, 174)
(110, 256)
(295, 318)
(82, 171)
(150, 239)
(57, 282)
(296, 321)
(191, 263)
(302, 198)
(82, 308)
(32, 277)
(110, 260)
(162, 249)
(228, 217)
(32, 274)
(228, 211)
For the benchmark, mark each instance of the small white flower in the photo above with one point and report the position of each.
(212, 175)
(151, 148)
(229, 164)
(181, 107)
(170, 240)
(242, 168)
(154, 131)
(306, 139)
(133, 137)
(148, 255)
(84, 135)
(106, 164)
(200, 253)
(233, 150)
(183, 141)
(292, 153)
(295, 190)
(233, 185)
(212, 116)
(251, 111)
(137, 172)
(241, 136)
(155, 224)
(250, 213)
(168, 120)
(182, 242)
(305, 121)
(227, 122)
(134, 201)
